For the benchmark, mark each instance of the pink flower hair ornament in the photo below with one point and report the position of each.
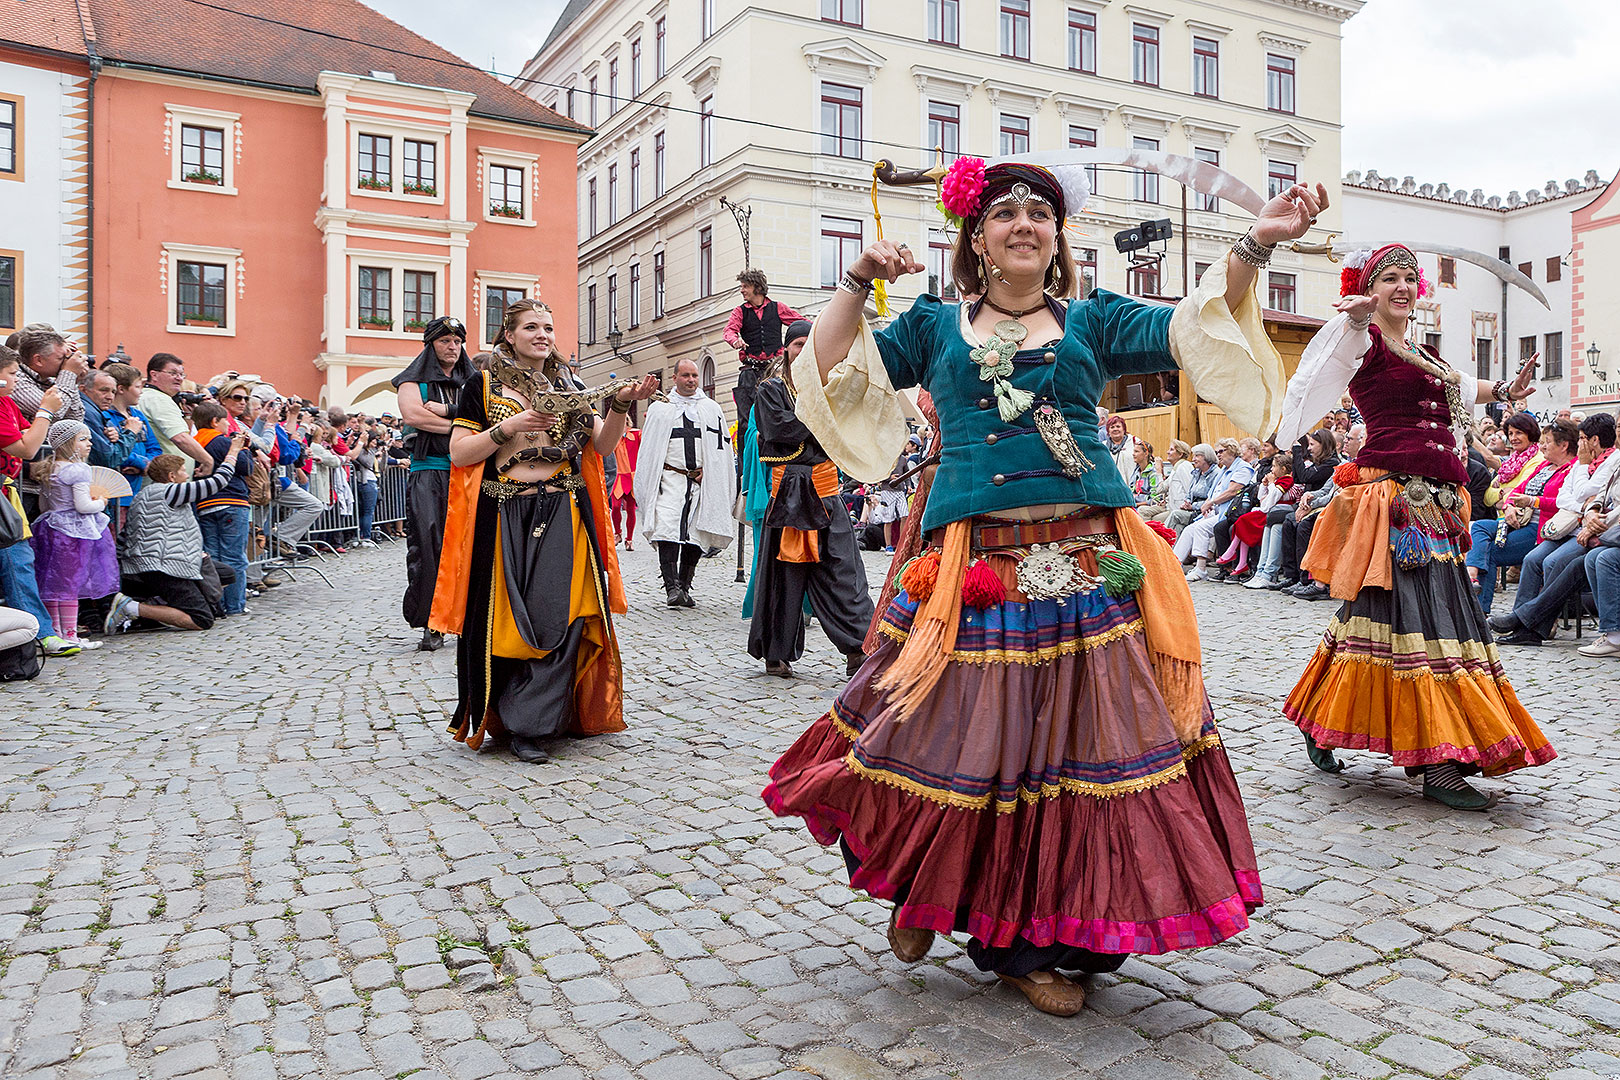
(960, 190)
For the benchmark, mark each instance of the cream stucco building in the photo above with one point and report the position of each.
(782, 107)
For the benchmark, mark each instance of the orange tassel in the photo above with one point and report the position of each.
(981, 587)
(920, 576)
(1347, 474)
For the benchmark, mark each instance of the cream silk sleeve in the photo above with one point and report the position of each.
(1329, 363)
(1227, 354)
(857, 415)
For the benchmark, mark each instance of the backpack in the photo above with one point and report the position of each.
(22, 662)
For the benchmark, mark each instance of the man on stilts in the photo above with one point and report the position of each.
(686, 482)
(755, 331)
(807, 544)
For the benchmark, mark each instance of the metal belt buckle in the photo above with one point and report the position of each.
(1418, 492)
(1046, 573)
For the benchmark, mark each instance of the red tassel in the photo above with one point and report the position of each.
(981, 588)
(1349, 281)
(1166, 533)
(920, 575)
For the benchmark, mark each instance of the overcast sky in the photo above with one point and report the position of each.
(1491, 94)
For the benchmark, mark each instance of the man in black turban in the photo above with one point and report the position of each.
(427, 401)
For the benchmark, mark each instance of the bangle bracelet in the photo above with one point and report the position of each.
(1499, 390)
(47, 415)
(1252, 251)
(499, 437)
(618, 405)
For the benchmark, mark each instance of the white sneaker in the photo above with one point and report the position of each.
(85, 643)
(1197, 575)
(1259, 581)
(1603, 646)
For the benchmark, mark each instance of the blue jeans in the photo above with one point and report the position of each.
(1485, 556)
(224, 537)
(1603, 574)
(368, 507)
(20, 587)
(1550, 576)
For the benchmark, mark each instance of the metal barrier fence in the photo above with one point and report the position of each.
(268, 551)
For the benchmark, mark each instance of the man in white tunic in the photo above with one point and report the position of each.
(686, 482)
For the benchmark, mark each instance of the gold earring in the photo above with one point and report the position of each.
(995, 271)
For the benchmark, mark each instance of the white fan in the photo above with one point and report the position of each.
(108, 483)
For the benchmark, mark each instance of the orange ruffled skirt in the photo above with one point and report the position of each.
(1408, 667)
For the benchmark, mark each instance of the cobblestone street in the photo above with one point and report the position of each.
(254, 853)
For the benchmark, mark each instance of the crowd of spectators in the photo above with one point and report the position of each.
(1543, 497)
(218, 473)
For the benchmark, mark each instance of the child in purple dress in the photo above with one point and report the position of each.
(74, 554)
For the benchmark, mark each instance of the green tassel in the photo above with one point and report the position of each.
(1122, 572)
(1011, 402)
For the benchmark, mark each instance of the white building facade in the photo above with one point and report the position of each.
(44, 187)
(782, 109)
(1480, 325)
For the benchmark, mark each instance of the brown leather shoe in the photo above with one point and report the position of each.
(1060, 997)
(780, 668)
(910, 943)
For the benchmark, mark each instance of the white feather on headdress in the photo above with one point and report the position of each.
(1357, 259)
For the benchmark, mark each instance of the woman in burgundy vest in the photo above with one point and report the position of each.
(1408, 666)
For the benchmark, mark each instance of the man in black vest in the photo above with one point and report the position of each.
(755, 331)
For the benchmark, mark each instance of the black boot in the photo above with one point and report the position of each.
(669, 568)
(431, 640)
(690, 553)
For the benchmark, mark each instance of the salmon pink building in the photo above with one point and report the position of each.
(294, 189)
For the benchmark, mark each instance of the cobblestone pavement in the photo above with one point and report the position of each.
(254, 853)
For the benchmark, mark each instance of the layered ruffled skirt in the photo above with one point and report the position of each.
(1039, 799)
(1408, 667)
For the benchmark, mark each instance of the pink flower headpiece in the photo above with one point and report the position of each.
(960, 190)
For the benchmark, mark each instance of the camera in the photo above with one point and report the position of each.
(187, 399)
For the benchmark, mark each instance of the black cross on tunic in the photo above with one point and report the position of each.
(691, 434)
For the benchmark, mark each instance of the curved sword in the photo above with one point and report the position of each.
(1335, 249)
(1201, 176)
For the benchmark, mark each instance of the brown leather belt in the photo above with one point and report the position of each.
(1006, 533)
(690, 474)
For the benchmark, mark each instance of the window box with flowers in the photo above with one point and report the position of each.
(199, 320)
(416, 325)
(376, 324)
(204, 176)
(419, 189)
(506, 210)
(371, 183)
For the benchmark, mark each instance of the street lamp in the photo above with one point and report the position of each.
(1593, 355)
(615, 338)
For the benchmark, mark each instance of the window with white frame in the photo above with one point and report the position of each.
(374, 164)
(1145, 54)
(941, 282)
(945, 22)
(1014, 134)
(497, 298)
(613, 86)
(201, 286)
(1082, 41)
(1015, 29)
(1142, 279)
(420, 175)
(658, 284)
(1281, 290)
(202, 146)
(660, 48)
(1085, 138)
(1280, 176)
(705, 261)
(508, 176)
(374, 298)
(200, 292)
(590, 207)
(202, 154)
(613, 302)
(945, 127)
(658, 165)
(1206, 81)
(590, 315)
(592, 92)
(635, 295)
(1144, 182)
(613, 193)
(635, 68)
(847, 12)
(635, 179)
(1279, 83)
(420, 299)
(1085, 264)
(840, 247)
(1208, 203)
(841, 120)
(706, 131)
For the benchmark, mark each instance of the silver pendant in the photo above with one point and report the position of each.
(1046, 573)
(1011, 330)
(1059, 440)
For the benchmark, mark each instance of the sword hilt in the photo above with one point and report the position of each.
(889, 174)
(1317, 249)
